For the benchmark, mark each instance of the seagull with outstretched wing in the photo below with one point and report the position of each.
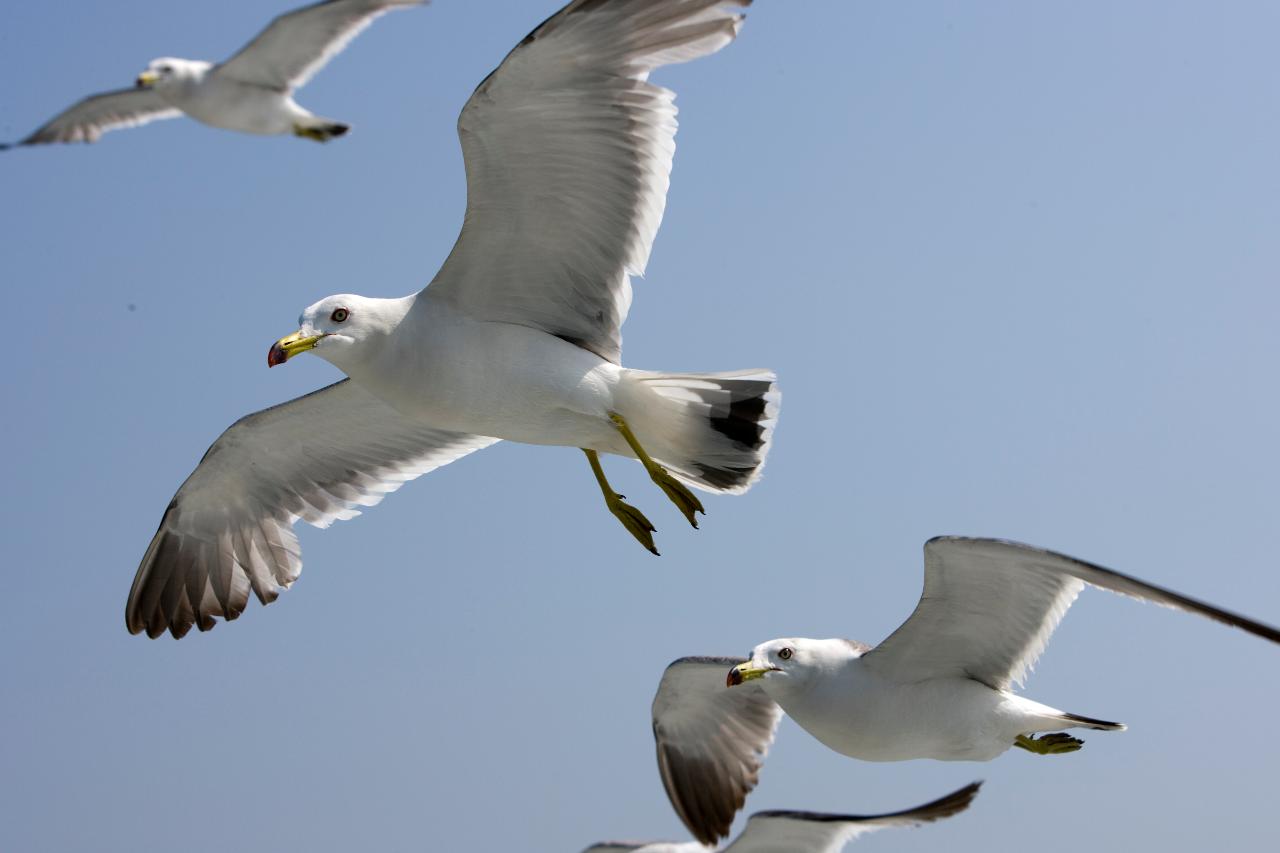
(940, 687)
(568, 150)
(785, 831)
(251, 92)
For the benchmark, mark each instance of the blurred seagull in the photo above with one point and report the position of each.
(939, 687)
(251, 92)
(806, 832)
(568, 150)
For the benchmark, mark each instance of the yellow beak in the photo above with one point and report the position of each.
(147, 79)
(287, 347)
(746, 672)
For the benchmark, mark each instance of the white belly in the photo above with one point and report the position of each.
(506, 381)
(236, 106)
(873, 719)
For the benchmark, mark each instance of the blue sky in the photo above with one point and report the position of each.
(1015, 264)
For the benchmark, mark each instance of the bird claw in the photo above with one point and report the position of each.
(634, 521)
(686, 501)
(1054, 743)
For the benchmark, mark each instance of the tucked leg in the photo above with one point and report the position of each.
(309, 133)
(320, 132)
(685, 500)
(631, 518)
(1057, 743)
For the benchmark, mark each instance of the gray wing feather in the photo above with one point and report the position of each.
(711, 742)
(989, 607)
(645, 847)
(816, 832)
(297, 44)
(568, 153)
(228, 530)
(95, 115)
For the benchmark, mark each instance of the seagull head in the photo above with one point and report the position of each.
(340, 329)
(168, 70)
(792, 661)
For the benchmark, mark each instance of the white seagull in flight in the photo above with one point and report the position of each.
(568, 149)
(939, 687)
(784, 831)
(251, 92)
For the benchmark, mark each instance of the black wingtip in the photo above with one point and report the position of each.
(1092, 723)
(946, 806)
(952, 804)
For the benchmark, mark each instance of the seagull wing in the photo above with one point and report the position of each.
(568, 152)
(96, 114)
(989, 607)
(297, 44)
(646, 847)
(813, 832)
(711, 741)
(229, 528)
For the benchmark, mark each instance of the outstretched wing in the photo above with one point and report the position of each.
(96, 114)
(989, 607)
(568, 151)
(711, 741)
(645, 847)
(297, 44)
(814, 832)
(229, 527)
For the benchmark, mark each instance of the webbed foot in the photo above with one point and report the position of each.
(320, 132)
(686, 501)
(633, 519)
(1055, 743)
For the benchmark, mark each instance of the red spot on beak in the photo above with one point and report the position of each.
(276, 355)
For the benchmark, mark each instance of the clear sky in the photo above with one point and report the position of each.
(1015, 264)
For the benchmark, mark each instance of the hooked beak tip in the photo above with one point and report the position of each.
(734, 678)
(276, 355)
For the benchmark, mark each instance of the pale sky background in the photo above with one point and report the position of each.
(1015, 264)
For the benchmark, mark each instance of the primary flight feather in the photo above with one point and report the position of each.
(786, 831)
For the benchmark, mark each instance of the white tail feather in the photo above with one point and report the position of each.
(712, 430)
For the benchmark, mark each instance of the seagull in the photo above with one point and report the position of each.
(939, 687)
(251, 92)
(806, 832)
(568, 149)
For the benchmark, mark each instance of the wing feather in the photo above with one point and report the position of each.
(229, 528)
(816, 832)
(989, 607)
(568, 153)
(711, 742)
(645, 847)
(88, 119)
(297, 44)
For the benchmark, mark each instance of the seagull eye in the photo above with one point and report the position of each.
(784, 653)
(165, 69)
(339, 315)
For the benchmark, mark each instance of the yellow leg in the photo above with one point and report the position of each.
(309, 133)
(685, 500)
(1055, 743)
(632, 519)
(321, 132)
